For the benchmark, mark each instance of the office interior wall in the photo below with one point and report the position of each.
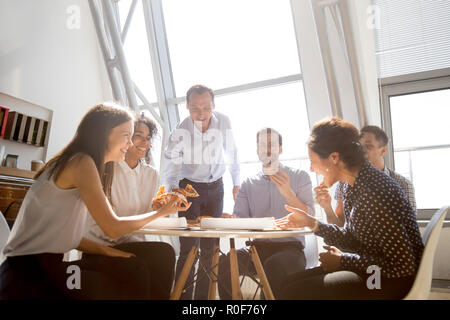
(49, 57)
(316, 90)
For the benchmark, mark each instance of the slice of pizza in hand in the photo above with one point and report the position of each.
(189, 191)
(163, 197)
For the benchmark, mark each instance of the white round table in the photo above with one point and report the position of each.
(196, 232)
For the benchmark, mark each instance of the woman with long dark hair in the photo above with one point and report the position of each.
(53, 214)
(130, 186)
(377, 253)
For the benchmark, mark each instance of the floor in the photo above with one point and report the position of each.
(440, 290)
(437, 295)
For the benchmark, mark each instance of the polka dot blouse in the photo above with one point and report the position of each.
(381, 227)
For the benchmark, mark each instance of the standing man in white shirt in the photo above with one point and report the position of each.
(196, 155)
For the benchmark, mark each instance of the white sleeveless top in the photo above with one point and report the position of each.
(50, 220)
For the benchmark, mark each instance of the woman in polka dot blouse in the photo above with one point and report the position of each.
(377, 253)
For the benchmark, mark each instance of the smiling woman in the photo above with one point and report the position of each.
(381, 231)
(52, 217)
(119, 141)
(130, 186)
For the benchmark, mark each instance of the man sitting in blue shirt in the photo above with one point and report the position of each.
(264, 195)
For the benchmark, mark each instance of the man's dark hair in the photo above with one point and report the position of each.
(379, 134)
(269, 131)
(199, 89)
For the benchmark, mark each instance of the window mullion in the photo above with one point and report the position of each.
(159, 52)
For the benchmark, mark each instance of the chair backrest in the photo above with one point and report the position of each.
(421, 288)
(4, 234)
(311, 251)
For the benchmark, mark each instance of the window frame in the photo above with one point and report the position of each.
(403, 85)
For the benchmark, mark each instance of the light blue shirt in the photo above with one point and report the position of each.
(259, 197)
(201, 156)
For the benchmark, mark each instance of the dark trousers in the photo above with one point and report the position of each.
(279, 260)
(45, 276)
(209, 203)
(315, 284)
(159, 258)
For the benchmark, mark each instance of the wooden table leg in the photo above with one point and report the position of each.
(236, 293)
(179, 284)
(261, 274)
(215, 272)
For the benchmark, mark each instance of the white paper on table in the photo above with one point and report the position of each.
(238, 223)
(167, 223)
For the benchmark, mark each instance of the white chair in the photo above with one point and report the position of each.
(311, 251)
(4, 234)
(422, 284)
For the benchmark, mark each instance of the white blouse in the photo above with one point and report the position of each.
(132, 192)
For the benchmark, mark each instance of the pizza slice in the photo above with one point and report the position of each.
(163, 197)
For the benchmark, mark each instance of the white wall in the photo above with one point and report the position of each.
(316, 90)
(44, 62)
(364, 20)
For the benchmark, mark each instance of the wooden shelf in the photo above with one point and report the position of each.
(17, 172)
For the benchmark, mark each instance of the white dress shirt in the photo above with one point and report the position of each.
(200, 156)
(132, 192)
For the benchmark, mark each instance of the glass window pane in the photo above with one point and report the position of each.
(429, 174)
(137, 50)
(281, 108)
(183, 111)
(223, 43)
(420, 119)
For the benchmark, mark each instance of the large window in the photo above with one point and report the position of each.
(227, 43)
(412, 50)
(246, 52)
(137, 50)
(282, 108)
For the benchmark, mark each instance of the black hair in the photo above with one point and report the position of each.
(336, 135)
(91, 137)
(379, 134)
